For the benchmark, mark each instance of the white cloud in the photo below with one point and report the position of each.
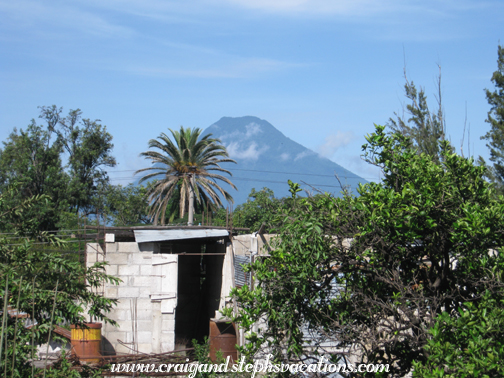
(253, 129)
(101, 21)
(310, 6)
(166, 10)
(230, 67)
(57, 18)
(334, 141)
(303, 154)
(233, 135)
(100, 17)
(252, 152)
(184, 11)
(357, 165)
(238, 136)
(284, 156)
(358, 9)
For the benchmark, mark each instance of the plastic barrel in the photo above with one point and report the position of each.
(86, 342)
(223, 338)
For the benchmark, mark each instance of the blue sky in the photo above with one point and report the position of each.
(321, 71)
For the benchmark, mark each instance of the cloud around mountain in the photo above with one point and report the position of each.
(267, 158)
(240, 145)
(335, 141)
(240, 150)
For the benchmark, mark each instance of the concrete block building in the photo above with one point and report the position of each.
(174, 281)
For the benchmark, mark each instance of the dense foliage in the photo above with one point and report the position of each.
(87, 146)
(468, 345)
(62, 160)
(123, 205)
(46, 288)
(31, 160)
(65, 161)
(372, 273)
(261, 209)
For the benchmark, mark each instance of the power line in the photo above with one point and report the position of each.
(255, 180)
(52, 235)
(283, 182)
(261, 171)
(294, 173)
(49, 231)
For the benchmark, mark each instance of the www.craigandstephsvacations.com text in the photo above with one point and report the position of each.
(253, 368)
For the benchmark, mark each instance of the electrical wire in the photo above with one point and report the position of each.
(260, 171)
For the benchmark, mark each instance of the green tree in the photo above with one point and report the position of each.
(425, 128)
(495, 137)
(31, 160)
(371, 273)
(89, 147)
(63, 160)
(48, 287)
(261, 208)
(126, 205)
(190, 156)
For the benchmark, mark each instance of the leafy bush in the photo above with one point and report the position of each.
(371, 273)
(45, 288)
(468, 344)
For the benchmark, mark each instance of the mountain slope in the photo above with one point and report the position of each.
(267, 158)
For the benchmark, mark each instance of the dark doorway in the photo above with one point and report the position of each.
(199, 289)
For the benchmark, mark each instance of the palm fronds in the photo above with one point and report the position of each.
(174, 163)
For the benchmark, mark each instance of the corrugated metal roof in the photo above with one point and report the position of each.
(241, 278)
(149, 236)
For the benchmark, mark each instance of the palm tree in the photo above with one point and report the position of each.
(177, 163)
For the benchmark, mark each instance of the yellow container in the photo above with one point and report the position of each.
(86, 342)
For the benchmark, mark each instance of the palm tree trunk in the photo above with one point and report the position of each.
(191, 201)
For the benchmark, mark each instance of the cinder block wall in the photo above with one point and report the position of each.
(148, 294)
(245, 244)
(142, 326)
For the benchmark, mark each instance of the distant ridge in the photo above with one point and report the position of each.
(267, 158)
